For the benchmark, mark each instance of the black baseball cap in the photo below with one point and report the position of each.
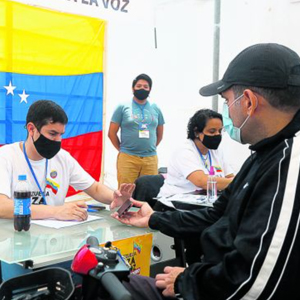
(261, 65)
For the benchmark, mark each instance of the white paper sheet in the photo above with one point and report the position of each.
(189, 198)
(61, 224)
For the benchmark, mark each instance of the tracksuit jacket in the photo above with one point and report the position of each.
(250, 239)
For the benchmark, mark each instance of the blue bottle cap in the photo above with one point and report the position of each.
(22, 177)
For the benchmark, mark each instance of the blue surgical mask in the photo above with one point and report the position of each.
(234, 132)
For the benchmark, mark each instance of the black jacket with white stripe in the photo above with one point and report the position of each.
(250, 239)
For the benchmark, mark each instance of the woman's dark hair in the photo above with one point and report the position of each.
(199, 120)
(43, 112)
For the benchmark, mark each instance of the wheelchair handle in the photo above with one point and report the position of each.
(114, 287)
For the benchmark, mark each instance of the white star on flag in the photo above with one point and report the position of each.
(10, 88)
(24, 97)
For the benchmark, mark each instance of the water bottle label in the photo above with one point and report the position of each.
(22, 207)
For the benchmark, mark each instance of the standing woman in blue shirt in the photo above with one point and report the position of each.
(141, 124)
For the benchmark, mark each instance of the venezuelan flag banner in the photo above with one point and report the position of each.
(55, 56)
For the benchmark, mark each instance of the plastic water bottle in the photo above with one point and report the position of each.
(22, 202)
(211, 186)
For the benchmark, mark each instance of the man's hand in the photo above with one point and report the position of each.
(138, 218)
(120, 196)
(76, 211)
(166, 281)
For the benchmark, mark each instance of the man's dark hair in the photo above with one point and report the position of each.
(142, 77)
(287, 99)
(199, 120)
(44, 112)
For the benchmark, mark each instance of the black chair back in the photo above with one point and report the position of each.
(147, 188)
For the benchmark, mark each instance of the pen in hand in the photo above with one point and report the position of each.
(91, 210)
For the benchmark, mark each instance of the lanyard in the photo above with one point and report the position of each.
(141, 107)
(33, 174)
(204, 160)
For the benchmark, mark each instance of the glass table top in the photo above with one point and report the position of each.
(45, 243)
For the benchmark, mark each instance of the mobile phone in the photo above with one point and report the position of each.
(124, 208)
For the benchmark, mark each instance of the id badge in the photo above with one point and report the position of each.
(144, 134)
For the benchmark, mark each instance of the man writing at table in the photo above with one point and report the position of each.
(46, 165)
(250, 238)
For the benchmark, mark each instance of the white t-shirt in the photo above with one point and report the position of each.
(187, 160)
(63, 170)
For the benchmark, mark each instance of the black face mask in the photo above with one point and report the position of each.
(45, 147)
(212, 141)
(141, 94)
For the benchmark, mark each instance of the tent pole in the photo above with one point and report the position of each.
(216, 53)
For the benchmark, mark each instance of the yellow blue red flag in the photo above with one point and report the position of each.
(51, 55)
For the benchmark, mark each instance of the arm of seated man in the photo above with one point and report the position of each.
(166, 281)
(103, 194)
(138, 218)
(199, 178)
(69, 211)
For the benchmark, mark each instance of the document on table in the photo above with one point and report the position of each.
(61, 224)
(188, 198)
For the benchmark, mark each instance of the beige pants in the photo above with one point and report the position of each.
(130, 167)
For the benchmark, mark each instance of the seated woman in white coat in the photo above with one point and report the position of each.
(189, 165)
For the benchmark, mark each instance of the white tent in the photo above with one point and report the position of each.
(179, 58)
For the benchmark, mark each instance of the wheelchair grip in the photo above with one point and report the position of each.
(114, 287)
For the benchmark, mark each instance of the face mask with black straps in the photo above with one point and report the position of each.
(212, 141)
(46, 147)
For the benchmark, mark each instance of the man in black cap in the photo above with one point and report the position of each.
(250, 239)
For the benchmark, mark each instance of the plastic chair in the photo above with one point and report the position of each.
(48, 283)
